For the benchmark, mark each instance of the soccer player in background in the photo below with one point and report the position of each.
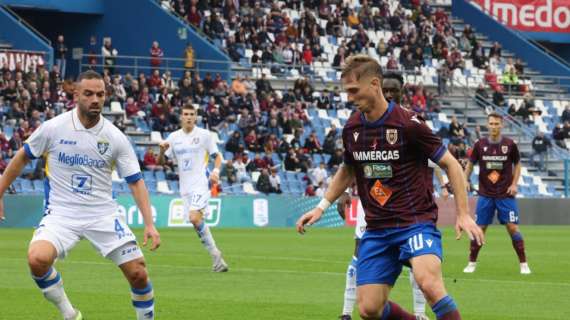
(81, 149)
(387, 149)
(499, 172)
(191, 147)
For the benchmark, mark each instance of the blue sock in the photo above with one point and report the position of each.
(444, 306)
(386, 311)
(143, 301)
(517, 236)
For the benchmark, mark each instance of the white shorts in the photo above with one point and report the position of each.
(196, 201)
(360, 221)
(106, 234)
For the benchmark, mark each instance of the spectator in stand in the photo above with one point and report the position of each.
(565, 114)
(457, 132)
(238, 87)
(229, 172)
(156, 55)
(291, 162)
(498, 97)
(481, 96)
(443, 75)
(189, 57)
(263, 182)
(109, 55)
(310, 191)
(251, 142)
(150, 161)
(495, 51)
(510, 80)
(15, 142)
(312, 144)
(319, 174)
(263, 86)
(61, 55)
(559, 135)
(194, 17)
(339, 58)
(92, 52)
(540, 145)
(275, 181)
(336, 160)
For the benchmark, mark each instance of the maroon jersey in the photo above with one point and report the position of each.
(496, 162)
(390, 161)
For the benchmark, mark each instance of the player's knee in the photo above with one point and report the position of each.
(195, 219)
(369, 310)
(431, 286)
(39, 261)
(138, 276)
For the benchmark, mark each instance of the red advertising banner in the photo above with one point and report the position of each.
(28, 60)
(550, 16)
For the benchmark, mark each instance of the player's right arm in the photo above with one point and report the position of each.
(340, 182)
(36, 145)
(12, 172)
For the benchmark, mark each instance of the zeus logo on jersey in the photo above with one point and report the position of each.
(376, 155)
(80, 160)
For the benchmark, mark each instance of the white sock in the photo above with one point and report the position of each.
(143, 301)
(206, 238)
(417, 294)
(52, 288)
(350, 289)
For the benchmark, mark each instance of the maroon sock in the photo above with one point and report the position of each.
(474, 251)
(518, 244)
(392, 311)
(452, 315)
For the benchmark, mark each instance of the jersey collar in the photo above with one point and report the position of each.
(382, 119)
(78, 126)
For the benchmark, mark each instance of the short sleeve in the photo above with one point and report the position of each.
(425, 140)
(516, 156)
(474, 157)
(212, 146)
(126, 161)
(38, 143)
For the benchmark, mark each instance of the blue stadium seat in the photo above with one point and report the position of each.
(160, 176)
(173, 185)
(27, 186)
(38, 186)
(148, 176)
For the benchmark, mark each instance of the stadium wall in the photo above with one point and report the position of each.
(24, 211)
(509, 39)
(75, 6)
(21, 38)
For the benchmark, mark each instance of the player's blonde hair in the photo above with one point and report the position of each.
(361, 66)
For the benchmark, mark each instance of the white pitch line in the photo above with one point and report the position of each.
(324, 273)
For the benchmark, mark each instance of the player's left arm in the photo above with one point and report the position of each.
(215, 176)
(512, 190)
(516, 158)
(464, 220)
(140, 193)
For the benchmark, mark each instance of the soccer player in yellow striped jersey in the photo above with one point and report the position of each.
(191, 147)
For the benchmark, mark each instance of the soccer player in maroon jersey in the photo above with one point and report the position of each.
(387, 149)
(499, 172)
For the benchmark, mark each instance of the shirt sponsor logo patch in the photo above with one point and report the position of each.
(380, 193)
(494, 165)
(377, 170)
(494, 176)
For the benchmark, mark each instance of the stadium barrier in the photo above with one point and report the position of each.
(263, 211)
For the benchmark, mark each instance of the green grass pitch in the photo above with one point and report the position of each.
(277, 274)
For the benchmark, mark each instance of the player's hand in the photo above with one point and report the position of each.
(308, 219)
(467, 224)
(164, 145)
(342, 203)
(152, 233)
(215, 176)
(512, 190)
